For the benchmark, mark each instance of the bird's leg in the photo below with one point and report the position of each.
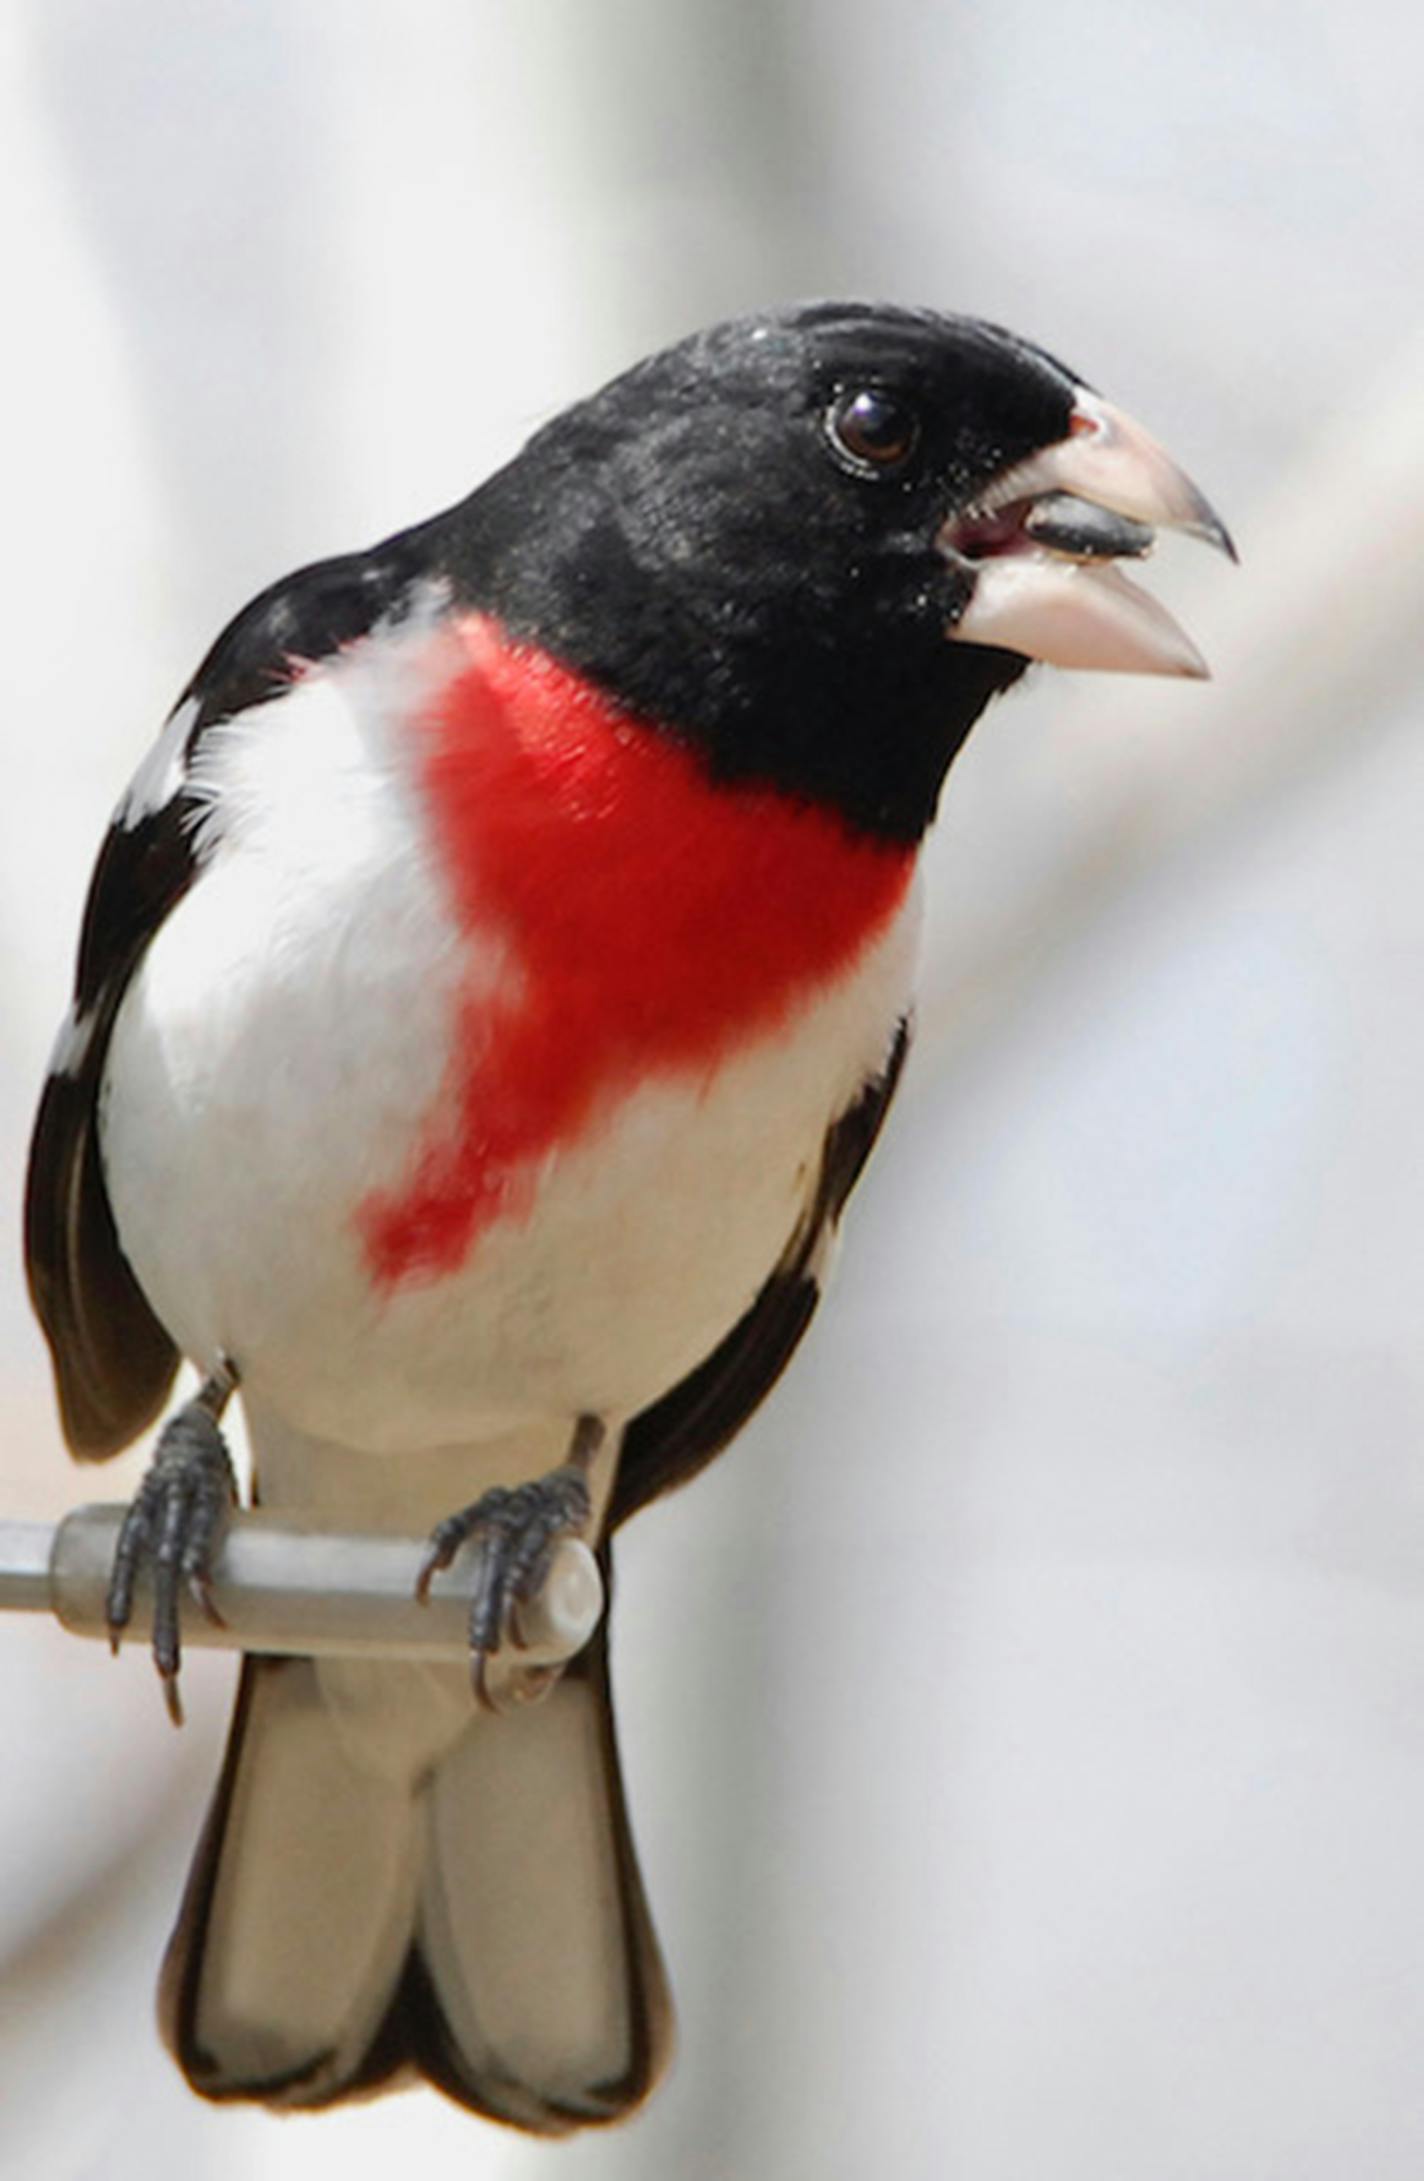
(515, 1529)
(175, 1523)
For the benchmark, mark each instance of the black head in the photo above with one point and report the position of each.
(743, 539)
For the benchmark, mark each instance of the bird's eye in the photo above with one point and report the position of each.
(874, 431)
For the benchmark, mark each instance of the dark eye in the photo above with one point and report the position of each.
(875, 431)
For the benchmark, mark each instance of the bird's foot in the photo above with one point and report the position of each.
(515, 1529)
(174, 1525)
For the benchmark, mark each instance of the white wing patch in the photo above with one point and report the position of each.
(160, 776)
(71, 1046)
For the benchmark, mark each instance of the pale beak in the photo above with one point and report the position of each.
(1040, 540)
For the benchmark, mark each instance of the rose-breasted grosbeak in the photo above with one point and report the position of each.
(491, 987)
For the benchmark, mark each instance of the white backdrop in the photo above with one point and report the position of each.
(1024, 1725)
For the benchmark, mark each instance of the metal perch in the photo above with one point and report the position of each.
(283, 1587)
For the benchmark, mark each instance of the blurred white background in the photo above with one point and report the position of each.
(1025, 1725)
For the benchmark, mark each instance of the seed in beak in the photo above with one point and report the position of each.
(1084, 531)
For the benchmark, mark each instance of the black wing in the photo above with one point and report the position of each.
(113, 1361)
(670, 1441)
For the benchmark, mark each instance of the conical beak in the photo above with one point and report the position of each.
(1039, 543)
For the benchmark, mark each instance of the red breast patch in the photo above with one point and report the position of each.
(658, 921)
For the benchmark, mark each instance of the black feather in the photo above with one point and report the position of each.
(305, 617)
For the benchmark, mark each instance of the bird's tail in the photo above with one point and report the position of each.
(389, 1884)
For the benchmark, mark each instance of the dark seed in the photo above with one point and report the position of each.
(1087, 532)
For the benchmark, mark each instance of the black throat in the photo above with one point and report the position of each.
(862, 710)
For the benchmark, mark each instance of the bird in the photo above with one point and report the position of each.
(491, 987)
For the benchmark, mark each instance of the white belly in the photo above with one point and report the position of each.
(275, 1058)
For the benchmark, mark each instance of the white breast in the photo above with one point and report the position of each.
(287, 1034)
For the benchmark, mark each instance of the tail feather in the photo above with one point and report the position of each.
(297, 1914)
(546, 2003)
(480, 1922)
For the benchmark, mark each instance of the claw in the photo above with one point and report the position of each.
(515, 1529)
(445, 1541)
(129, 1551)
(175, 1524)
(527, 1685)
(200, 1590)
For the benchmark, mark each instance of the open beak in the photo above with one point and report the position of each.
(1040, 541)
